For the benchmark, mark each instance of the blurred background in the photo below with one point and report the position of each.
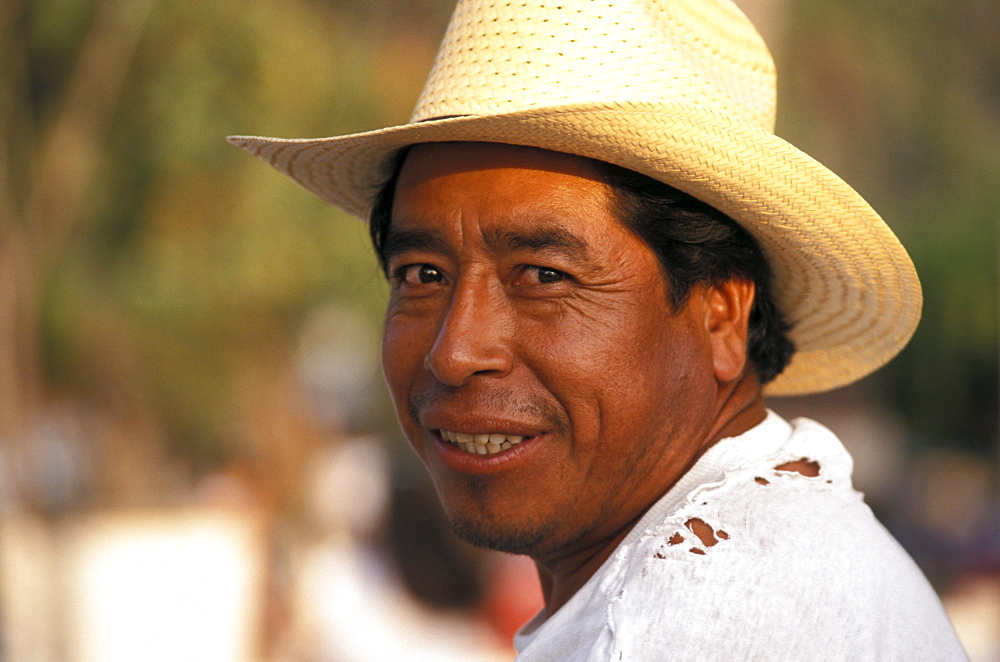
(197, 457)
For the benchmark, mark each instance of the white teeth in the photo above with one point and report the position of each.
(482, 443)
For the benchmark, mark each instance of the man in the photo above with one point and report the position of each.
(599, 257)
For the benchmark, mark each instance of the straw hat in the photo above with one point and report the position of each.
(684, 92)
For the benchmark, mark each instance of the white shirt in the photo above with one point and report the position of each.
(798, 569)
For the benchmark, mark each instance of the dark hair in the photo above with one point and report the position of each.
(695, 243)
(381, 215)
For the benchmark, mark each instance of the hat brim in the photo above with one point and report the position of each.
(841, 278)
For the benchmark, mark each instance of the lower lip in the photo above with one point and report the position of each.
(472, 463)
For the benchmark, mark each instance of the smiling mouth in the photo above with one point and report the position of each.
(481, 444)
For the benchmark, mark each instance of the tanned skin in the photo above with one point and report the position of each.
(520, 306)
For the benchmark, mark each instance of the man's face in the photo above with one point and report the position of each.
(524, 316)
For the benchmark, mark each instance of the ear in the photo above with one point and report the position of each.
(727, 318)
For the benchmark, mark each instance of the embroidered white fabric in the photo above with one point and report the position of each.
(797, 569)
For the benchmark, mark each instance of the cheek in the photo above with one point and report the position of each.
(403, 351)
(665, 364)
(678, 351)
(597, 361)
(402, 357)
(611, 341)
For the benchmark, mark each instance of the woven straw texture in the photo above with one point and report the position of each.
(682, 91)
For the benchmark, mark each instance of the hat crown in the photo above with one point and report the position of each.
(502, 56)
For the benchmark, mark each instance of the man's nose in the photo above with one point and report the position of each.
(474, 337)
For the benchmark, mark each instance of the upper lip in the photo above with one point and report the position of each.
(478, 424)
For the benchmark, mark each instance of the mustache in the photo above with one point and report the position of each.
(508, 402)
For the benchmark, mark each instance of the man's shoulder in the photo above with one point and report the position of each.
(773, 502)
(774, 499)
(782, 547)
(775, 557)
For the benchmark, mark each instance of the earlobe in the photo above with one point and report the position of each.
(727, 317)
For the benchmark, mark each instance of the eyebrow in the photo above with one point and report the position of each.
(541, 238)
(399, 241)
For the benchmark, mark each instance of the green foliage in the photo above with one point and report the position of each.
(191, 259)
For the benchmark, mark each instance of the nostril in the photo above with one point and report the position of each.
(454, 360)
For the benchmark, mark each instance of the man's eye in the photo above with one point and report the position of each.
(419, 274)
(549, 275)
(533, 275)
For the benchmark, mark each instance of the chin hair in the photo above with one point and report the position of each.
(510, 539)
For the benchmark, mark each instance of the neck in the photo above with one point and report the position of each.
(740, 407)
